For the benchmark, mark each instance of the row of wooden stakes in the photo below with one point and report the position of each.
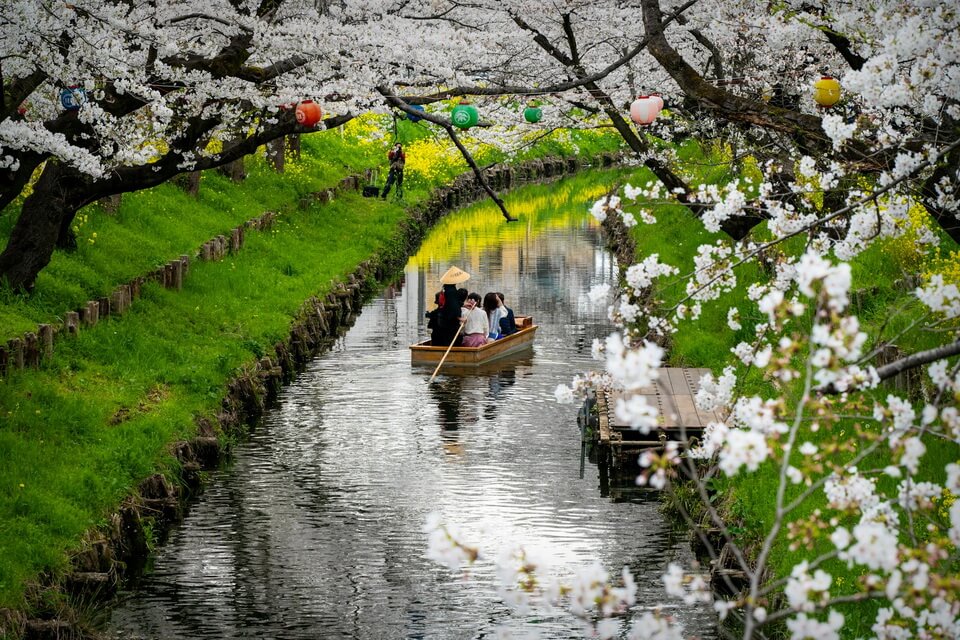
(30, 349)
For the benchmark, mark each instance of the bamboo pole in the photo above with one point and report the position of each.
(440, 364)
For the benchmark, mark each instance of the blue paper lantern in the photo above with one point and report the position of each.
(415, 107)
(72, 97)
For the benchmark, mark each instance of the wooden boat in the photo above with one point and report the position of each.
(425, 353)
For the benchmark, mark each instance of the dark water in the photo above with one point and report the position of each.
(315, 529)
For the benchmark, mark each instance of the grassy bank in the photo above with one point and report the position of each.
(80, 433)
(885, 305)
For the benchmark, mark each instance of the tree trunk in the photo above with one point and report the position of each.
(189, 182)
(234, 170)
(276, 150)
(293, 145)
(35, 234)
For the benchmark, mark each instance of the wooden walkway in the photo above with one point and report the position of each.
(680, 420)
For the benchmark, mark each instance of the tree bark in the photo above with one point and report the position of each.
(35, 234)
(276, 150)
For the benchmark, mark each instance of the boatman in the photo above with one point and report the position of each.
(448, 313)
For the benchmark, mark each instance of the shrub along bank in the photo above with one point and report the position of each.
(79, 434)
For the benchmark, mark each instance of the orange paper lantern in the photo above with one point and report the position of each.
(309, 113)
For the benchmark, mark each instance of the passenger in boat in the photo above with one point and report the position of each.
(475, 323)
(432, 317)
(495, 311)
(508, 323)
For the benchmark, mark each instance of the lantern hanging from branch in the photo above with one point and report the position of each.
(71, 98)
(415, 107)
(826, 91)
(659, 100)
(465, 115)
(309, 113)
(532, 113)
(645, 109)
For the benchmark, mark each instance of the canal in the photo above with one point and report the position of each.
(315, 528)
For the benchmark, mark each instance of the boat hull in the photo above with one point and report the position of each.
(522, 340)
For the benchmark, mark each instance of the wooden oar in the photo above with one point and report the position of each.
(440, 364)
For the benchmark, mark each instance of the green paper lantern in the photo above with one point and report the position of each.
(465, 115)
(532, 113)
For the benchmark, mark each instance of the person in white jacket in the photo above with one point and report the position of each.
(476, 325)
(493, 305)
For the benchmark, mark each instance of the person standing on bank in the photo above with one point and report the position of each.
(397, 159)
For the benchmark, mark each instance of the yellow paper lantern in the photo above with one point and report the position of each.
(826, 91)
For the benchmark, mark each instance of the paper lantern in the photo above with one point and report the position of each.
(826, 91)
(465, 115)
(415, 107)
(532, 113)
(72, 98)
(309, 113)
(645, 109)
(659, 99)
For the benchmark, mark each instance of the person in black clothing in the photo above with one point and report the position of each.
(447, 316)
(432, 318)
(397, 159)
(508, 324)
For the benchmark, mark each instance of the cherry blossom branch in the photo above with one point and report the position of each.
(821, 221)
(781, 513)
(856, 597)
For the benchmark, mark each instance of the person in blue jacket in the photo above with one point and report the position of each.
(508, 323)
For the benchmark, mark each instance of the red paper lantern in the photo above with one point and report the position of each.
(309, 113)
(645, 109)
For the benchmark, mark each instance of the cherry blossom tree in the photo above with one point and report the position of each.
(162, 79)
(840, 180)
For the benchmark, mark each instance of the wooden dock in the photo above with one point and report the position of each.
(680, 420)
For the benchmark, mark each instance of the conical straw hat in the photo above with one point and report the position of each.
(454, 275)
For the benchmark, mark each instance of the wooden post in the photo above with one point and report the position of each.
(15, 347)
(173, 275)
(45, 331)
(31, 350)
(235, 240)
(135, 285)
(118, 300)
(185, 264)
(71, 322)
(206, 251)
(90, 314)
(105, 307)
(4, 360)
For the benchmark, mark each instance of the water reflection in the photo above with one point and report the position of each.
(315, 530)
